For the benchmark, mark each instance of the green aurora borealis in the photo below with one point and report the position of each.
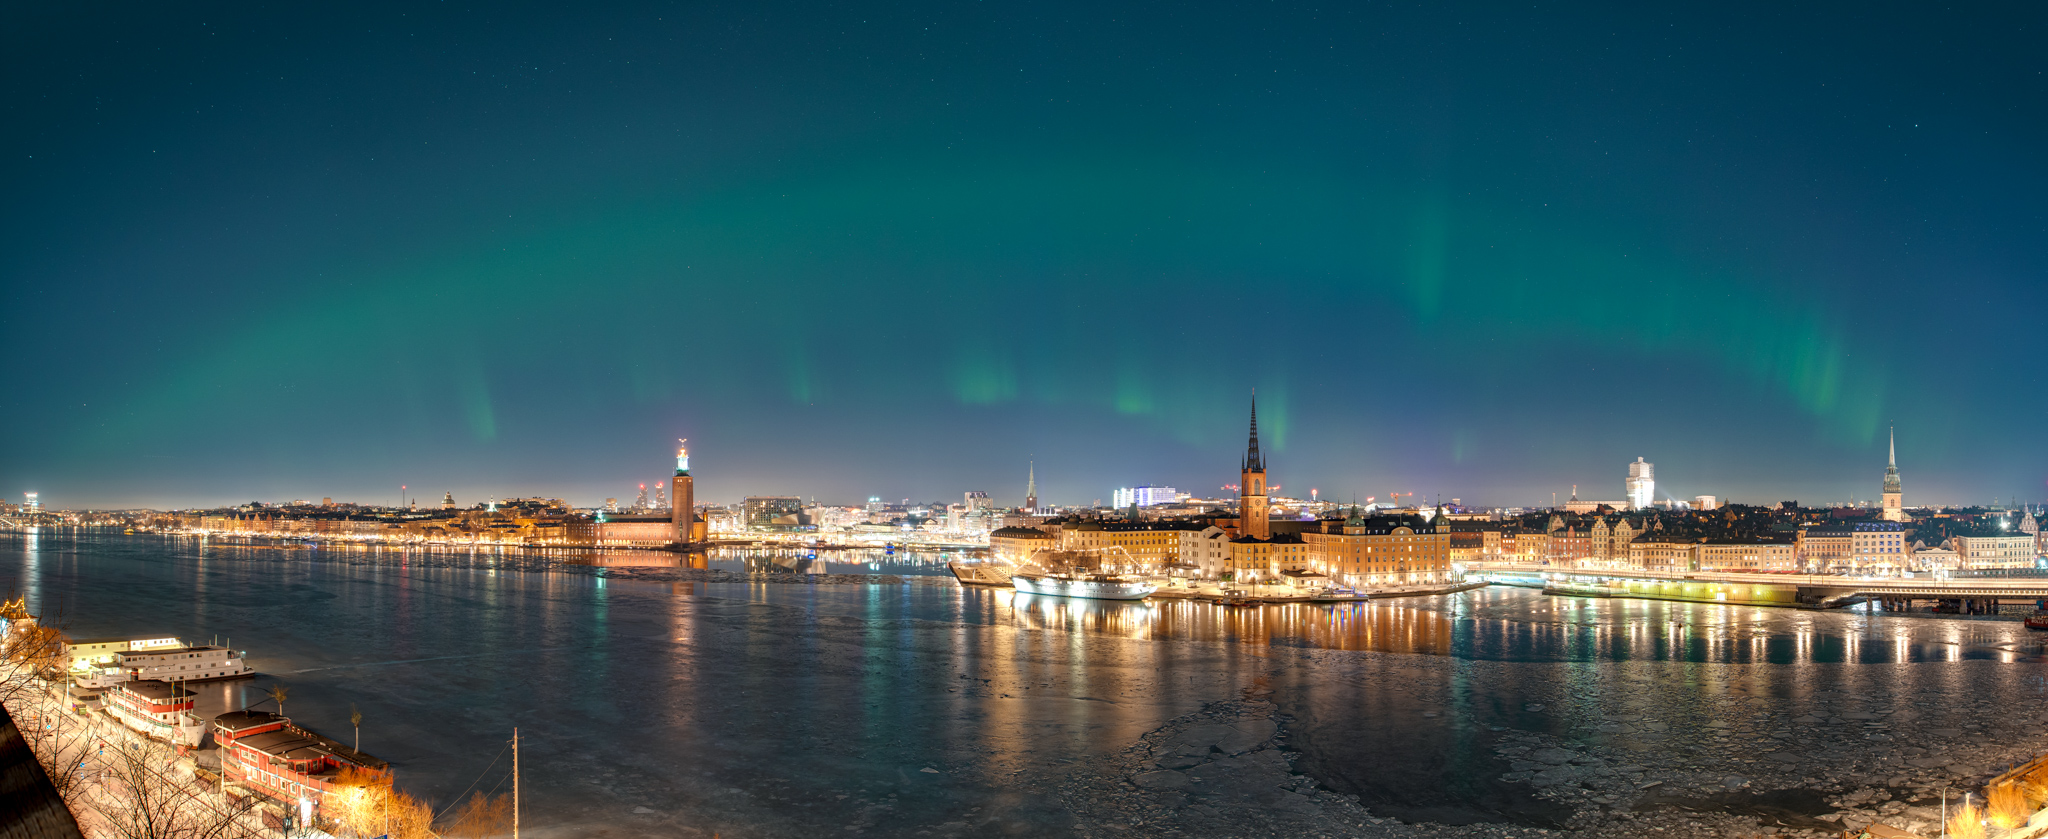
(1488, 254)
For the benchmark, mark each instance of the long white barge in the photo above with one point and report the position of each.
(1094, 586)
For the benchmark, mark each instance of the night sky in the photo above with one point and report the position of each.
(900, 249)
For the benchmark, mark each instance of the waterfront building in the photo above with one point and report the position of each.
(1853, 548)
(1745, 555)
(1381, 550)
(1641, 485)
(1894, 490)
(1017, 544)
(683, 494)
(1659, 555)
(266, 753)
(1205, 551)
(1266, 561)
(629, 530)
(1525, 547)
(1135, 546)
(1938, 558)
(1975, 553)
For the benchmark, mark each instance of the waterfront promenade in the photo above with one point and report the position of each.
(1808, 590)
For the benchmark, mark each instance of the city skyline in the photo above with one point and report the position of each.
(1630, 497)
(903, 251)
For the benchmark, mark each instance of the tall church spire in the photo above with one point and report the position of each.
(1031, 487)
(1894, 489)
(1251, 486)
(1253, 461)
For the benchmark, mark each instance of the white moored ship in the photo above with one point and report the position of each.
(176, 664)
(992, 572)
(158, 709)
(1092, 586)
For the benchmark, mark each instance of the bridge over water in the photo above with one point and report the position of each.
(1813, 591)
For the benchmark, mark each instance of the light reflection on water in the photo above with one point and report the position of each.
(854, 689)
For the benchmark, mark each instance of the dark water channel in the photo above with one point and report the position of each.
(778, 709)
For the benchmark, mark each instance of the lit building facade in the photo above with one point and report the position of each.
(1364, 551)
(1641, 484)
(1994, 552)
(1861, 547)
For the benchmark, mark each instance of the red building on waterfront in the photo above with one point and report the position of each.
(269, 755)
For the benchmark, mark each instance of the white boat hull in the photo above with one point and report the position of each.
(1091, 589)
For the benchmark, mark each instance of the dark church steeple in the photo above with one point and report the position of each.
(1253, 461)
(1251, 488)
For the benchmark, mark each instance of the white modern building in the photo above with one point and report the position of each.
(1145, 496)
(1642, 485)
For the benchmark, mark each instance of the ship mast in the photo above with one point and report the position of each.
(515, 782)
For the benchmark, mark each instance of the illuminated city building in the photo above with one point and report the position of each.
(1659, 555)
(1205, 552)
(1641, 485)
(1030, 488)
(1017, 544)
(1150, 546)
(1855, 548)
(2010, 550)
(773, 512)
(1394, 549)
(1894, 489)
(266, 753)
(1145, 496)
(1729, 555)
(447, 501)
(683, 492)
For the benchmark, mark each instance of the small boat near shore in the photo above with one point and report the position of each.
(2037, 620)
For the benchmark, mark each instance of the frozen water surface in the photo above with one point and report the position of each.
(777, 709)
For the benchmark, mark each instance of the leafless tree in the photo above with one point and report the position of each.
(137, 795)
